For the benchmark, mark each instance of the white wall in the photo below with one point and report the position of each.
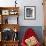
(21, 4)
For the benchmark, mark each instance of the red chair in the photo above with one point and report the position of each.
(29, 33)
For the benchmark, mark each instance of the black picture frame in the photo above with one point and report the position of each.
(29, 12)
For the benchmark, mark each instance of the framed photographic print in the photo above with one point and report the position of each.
(30, 12)
(5, 12)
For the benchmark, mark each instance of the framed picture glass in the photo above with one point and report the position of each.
(5, 12)
(29, 12)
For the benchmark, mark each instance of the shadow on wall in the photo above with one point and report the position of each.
(37, 29)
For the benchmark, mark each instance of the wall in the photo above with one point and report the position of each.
(36, 29)
(39, 13)
(21, 4)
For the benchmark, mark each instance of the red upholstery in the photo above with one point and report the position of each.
(29, 33)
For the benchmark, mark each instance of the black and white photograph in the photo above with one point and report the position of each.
(29, 12)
